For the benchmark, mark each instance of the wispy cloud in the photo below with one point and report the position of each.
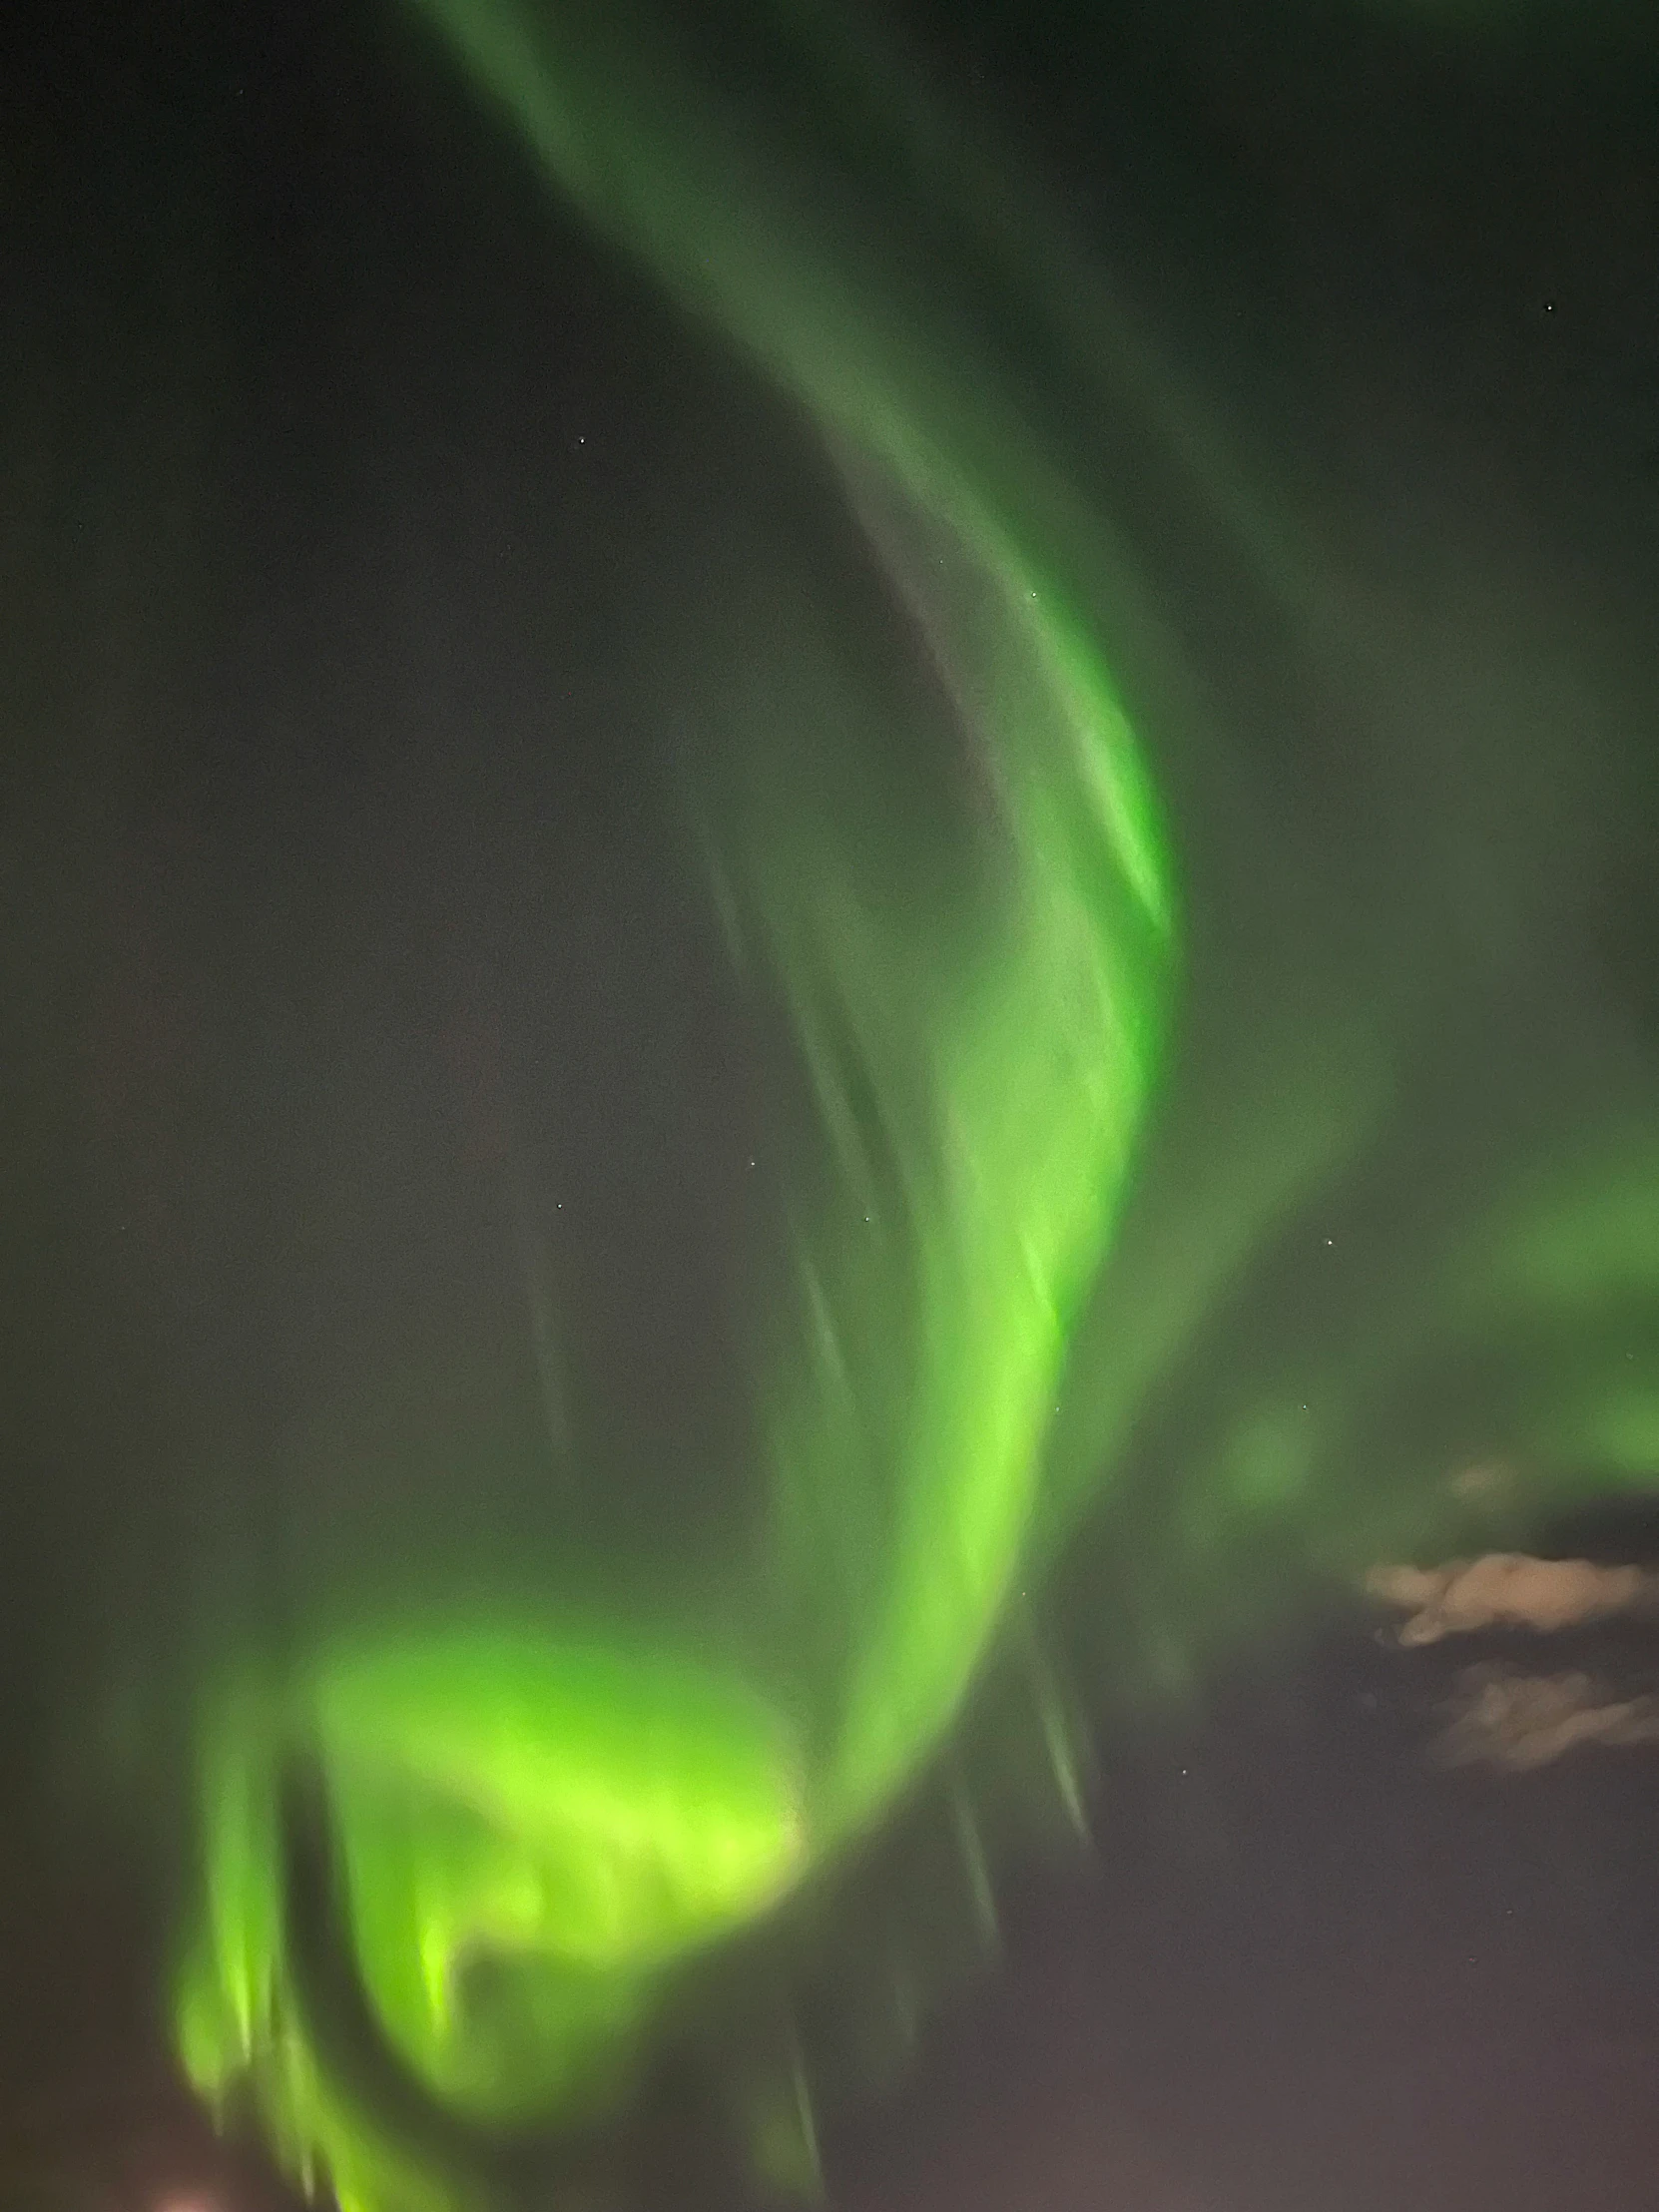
(1501, 1716)
(1510, 1590)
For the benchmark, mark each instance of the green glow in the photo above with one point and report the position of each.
(538, 1822)
(541, 1819)
(565, 1818)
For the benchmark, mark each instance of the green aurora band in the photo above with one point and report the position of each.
(539, 1820)
(542, 1818)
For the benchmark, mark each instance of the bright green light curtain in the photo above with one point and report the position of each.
(538, 1819)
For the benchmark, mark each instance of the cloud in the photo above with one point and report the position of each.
(1501, 1717)
(1510, 1590)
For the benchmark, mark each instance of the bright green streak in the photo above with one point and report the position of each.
(575, 1814)
(537, 1823)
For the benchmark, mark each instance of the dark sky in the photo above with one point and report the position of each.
(349, 501)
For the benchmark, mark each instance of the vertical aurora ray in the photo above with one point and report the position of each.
(535, 1822)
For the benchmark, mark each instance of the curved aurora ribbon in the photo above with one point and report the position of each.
(536, 1821)
(539, 1821)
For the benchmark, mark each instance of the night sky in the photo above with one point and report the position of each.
(368, 536)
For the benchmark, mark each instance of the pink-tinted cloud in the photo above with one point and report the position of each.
(1501, 1716)
(1508, 1590)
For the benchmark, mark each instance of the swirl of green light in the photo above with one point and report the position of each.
(538, 1820)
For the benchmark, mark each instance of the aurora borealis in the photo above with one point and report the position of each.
(538, 1818)
(835, 917)
(542, 1816)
